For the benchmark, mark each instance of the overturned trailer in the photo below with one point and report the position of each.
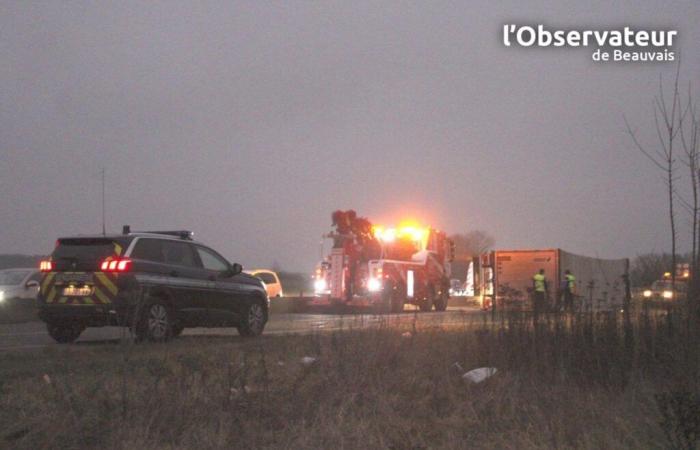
(503, 279)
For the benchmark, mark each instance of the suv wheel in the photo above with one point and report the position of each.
(64, 333)
(156, 324)
(253, 320)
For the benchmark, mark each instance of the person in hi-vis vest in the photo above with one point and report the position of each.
(539, 285)
(569, 290)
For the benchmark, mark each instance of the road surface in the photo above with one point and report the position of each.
(33, 335)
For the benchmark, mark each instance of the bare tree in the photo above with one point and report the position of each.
(691, 146)
(472, 243)
(668, 120)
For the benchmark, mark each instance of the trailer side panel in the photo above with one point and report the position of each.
(600, 286)
(514, 271)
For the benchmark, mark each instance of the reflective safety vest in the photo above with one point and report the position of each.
(571, 283)
(539, 282)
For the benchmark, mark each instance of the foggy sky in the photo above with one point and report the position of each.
(250, 122)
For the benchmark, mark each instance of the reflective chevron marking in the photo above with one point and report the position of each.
(47, 281)
(106, 282)
(100, 296)
(52, 295)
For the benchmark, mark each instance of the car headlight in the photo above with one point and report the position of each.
(374, 285)
(647, 293)
(668, 294)
(320, 285)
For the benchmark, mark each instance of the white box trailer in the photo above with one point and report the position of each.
(504, 278)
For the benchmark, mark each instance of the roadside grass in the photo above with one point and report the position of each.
(570, 382)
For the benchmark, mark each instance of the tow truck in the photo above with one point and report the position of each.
(384, 267)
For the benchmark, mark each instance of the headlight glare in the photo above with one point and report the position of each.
(374, 285)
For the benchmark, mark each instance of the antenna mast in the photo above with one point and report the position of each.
(104, 230)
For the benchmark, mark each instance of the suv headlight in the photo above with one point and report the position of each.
(668, 294)
(647, 293)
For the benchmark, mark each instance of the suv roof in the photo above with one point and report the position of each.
(180, 235)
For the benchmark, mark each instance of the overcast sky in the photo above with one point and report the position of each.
(250, 122)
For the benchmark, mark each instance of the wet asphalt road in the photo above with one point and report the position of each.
(33, 335)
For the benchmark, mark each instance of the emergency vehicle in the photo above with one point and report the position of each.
(383, 267)
(663, 290)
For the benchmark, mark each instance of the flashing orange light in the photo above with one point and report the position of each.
(406, 230)
(414, 233)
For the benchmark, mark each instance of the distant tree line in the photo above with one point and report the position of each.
(15, 261)
(649, 267)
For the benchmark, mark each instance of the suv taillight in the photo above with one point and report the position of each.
(46, 266)
(116, 265)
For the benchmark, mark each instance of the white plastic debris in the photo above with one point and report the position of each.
(407, 335)
(478, 375)
(308, 360)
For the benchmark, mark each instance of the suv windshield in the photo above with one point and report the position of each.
(12, 277)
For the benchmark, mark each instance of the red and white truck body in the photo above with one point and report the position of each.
(386, 268)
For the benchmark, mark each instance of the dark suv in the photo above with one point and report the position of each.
(156, 283)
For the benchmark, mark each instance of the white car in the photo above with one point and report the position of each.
(273, 286)
(19, 287)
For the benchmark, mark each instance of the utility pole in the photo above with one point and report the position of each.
(104, 229)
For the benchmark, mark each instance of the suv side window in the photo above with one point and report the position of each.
(211, 261)
(148, 249)
(179, 253)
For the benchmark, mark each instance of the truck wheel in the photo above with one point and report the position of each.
(426, 304)
(64, 333)
(253, 322)
(392, 300)
(395, 300)
(441, 301)
(155, 323)
(396, 304)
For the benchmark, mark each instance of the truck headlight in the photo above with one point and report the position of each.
(647, 293)
(320, 285)
(668, 294)
(374, 285)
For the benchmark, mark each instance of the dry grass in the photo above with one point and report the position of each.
(567, 384)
